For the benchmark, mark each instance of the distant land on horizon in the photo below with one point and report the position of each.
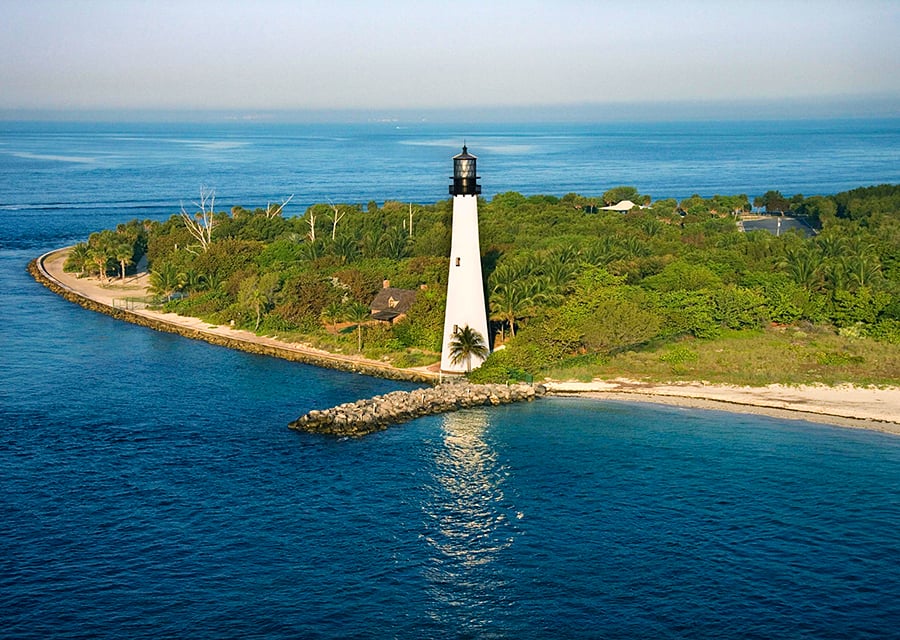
(834, 107)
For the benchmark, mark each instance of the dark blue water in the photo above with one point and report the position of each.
(149, 486)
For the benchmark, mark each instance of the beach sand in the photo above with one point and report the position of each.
(872, 408)
(845, 405)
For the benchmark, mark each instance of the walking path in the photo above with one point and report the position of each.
(113, 298)
(870, 408)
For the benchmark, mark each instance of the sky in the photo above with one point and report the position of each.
(410, 56)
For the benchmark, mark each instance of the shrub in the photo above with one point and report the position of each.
(885, 330)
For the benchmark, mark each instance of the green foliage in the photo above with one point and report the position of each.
(688, 313)
(679, 354)
(424, 324)
(304, 296)
(739, 308)
(618, 194)
(886, 330)
(108, 250)
(772, 201)
(280, 254)
(618, 324)
(466, 344)
(569, 286)
(838, 359)
(861, 306)
(681, 275)
(507, 365)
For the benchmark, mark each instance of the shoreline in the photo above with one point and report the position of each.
(90, 294)
(876, 409)
(764, 405)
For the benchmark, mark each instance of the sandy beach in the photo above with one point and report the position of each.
(872, 408)
(846, 406)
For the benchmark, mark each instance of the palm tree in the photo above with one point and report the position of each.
(513, 300)
(332, 314)
(804, 266)
(191, 279)
(345, 248)
(393, 244)
(358, 313)
(251, 296)
(165, 280)
(258, 293)
(864, 271)
(467, 342)
(558, 272)
(603, 251)
(100, 260)
(124, 256)
(78, 258)
(831, 245)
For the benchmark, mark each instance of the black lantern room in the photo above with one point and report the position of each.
(465, 182)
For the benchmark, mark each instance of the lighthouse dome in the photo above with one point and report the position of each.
(465, 178)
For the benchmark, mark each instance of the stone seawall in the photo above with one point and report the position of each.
(362, 417)
(35, 268)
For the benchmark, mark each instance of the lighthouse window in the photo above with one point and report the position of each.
(457, 262)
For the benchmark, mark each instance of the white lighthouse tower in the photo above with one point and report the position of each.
(465, 287)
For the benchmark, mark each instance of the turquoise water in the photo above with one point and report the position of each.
(149, 486)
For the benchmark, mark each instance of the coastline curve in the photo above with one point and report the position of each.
(221, 336)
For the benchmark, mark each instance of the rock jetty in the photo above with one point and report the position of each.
(366, 416)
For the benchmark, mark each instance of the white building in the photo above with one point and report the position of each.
(465, 286)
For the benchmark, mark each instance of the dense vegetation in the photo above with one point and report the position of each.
(571, 288)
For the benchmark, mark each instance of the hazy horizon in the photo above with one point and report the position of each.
(835, 108)
(376, 60)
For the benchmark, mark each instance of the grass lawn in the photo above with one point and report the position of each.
(786, 355)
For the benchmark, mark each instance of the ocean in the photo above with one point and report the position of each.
(150, 487)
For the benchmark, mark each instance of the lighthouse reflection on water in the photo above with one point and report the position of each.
(469, 523)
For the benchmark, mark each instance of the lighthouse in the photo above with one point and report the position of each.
(465, 287)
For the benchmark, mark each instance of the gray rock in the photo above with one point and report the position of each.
(377, 413)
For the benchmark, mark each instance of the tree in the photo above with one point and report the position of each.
(516, 300)
(509, 296)
(773, 201)
(618, 194)
(345, 248)
(410, 220)
(393, 244)
(864, 271)
(79, 258)
(311, 220)
(273, 210)
(617, 323)
(192, 280)
(100, 259)
(467, 342)
(258, 293)
(336, 216)
(201, 224)
(124, 256)
(358, 313)
(165, 280)
(332, 314)
(804, 266)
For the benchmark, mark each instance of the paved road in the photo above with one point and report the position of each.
(777, 225)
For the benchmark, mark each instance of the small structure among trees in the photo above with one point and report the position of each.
(392, 304)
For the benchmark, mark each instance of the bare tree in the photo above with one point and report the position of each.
(336, 216)
(410, 220)
(201, 223)
(273, 211)
(312, 224)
